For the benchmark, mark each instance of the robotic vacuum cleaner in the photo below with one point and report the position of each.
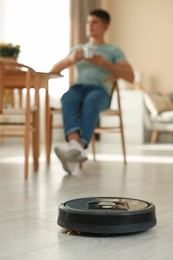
(106, 215)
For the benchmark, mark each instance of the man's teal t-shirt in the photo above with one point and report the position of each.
(87, 73)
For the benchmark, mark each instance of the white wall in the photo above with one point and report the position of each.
(143, 28)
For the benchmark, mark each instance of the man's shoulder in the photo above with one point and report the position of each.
(112, 47)
(114, 51)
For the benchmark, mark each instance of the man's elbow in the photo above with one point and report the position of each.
(129, 73)
(131, 77)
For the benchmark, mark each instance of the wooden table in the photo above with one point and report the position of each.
(19, 76)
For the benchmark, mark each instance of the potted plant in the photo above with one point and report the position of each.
(9, 50)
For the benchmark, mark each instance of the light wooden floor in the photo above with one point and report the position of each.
(29, 209)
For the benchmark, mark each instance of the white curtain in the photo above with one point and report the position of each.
(79, 10)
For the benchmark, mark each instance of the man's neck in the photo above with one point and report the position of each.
(96, 41)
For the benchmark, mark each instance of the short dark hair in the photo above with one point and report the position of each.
(102, 14)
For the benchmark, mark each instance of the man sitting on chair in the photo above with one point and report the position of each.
(94, 61)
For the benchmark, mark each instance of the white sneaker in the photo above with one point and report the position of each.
(68, 166)
(82, 157)
(75, 152)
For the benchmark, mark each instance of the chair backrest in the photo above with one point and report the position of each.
(1, 85)
(115, 90)
(9, 79)
(114, 87)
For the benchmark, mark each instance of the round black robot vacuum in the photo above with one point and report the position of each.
(106, 215)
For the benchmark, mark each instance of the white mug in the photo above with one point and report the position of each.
(88, 52)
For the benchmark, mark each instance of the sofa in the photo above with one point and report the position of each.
(158, 116)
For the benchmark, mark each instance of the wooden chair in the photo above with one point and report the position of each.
(49, 126)
(98, 130)
(116, 127)
(21, 121)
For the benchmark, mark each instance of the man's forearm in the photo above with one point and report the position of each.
(121, 70)
(63, 64)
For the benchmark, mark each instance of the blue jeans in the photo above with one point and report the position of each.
(81, 105)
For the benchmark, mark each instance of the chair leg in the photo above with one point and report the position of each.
(48, 130)
(26, 145)
(121, 125)
(154, 136)
(47, 126)
(20, 98)
(122, 138)
(36, 140)
(27, 124)
(123, 148)
(123, 145)
(93, 147)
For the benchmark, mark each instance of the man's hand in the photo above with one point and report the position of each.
(97, 60)
(121, 69)
(76, 56)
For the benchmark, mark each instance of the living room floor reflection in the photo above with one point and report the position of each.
(29, 208)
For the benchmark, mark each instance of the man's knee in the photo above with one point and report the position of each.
(66, 97)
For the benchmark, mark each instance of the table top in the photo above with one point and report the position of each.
(16, 78)
(12, 62)
(49, 74)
